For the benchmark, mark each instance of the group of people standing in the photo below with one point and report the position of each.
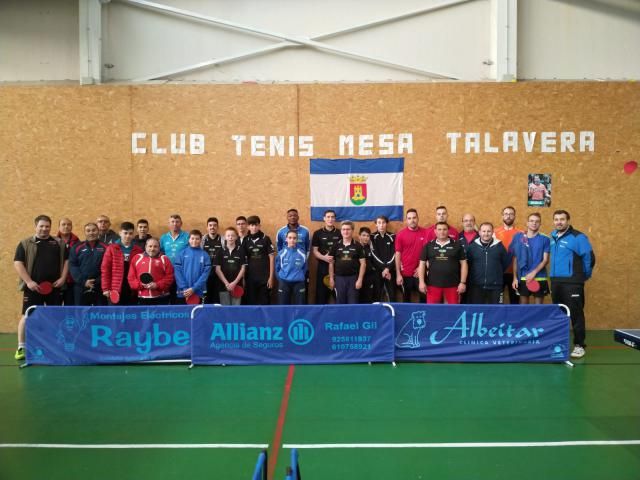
(433, 264)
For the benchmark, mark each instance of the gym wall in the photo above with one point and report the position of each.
(68, 151)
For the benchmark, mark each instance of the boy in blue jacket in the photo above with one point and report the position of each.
(291, 269)
(191, 268)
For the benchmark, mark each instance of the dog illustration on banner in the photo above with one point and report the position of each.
(69, 330)
(409, 334)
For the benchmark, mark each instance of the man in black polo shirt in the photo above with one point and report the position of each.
(41, 258)
(322, 242)
(346, 273)
(444, 263)
(260, 276)
(212, 244)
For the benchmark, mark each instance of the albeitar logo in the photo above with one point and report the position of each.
(475, 330)
(464, 330)
(358, 189)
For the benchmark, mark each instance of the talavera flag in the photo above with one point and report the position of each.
(357, 189)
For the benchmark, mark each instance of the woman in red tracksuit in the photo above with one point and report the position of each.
(155, 292)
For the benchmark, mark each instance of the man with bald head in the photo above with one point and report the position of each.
(105, 234)
(469, 232)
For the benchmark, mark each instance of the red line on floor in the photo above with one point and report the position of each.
(277, 435)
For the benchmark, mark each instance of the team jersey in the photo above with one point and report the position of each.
(230, 262)
(444, 263)
(325, 239)
(409, 244)
(529, 252)
(258, 248)
(347, 258)
(172, 246)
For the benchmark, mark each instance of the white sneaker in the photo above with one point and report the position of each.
(578, 352)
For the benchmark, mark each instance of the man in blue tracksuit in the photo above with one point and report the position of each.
(487, 259)
(85, 260)
(291, 269)
(191, 269)
(572, 262)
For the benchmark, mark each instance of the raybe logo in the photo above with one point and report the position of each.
(300, 331)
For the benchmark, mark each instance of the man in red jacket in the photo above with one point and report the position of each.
(153, 291)
(115, 266)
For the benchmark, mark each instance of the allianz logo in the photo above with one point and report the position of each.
(300, 332)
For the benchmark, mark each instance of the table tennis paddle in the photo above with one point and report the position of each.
(237, 291)
(146, 278)
(326, 280)
(114, 296)
(533, 286)
(45, 288)
(193, 299)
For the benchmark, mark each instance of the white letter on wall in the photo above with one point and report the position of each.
(134, 142)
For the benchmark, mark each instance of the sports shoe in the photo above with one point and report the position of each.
(20, 353)
(578, 352)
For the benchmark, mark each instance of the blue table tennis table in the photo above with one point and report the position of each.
(628, 337)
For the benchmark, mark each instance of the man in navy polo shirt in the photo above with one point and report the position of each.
(346, 273)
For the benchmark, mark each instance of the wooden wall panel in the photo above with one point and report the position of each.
(67, 151)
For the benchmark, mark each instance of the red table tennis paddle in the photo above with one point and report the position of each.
(114, 296)
(193, 299)
(533, 286)
(237, 291)
(45, 288)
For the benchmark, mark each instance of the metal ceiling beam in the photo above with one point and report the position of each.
(504, 21)
(289, 40)
(90, 32)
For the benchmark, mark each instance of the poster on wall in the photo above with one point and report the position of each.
(539, 193)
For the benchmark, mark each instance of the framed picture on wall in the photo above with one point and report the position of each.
(539, 190)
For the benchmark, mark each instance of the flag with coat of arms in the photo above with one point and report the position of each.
(357, 189)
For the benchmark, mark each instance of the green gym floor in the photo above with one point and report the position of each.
(470, 421)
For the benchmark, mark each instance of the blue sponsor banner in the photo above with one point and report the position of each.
(327, 166)
(481, 333)
(94, 335)
(392, 212)
(299, 334)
